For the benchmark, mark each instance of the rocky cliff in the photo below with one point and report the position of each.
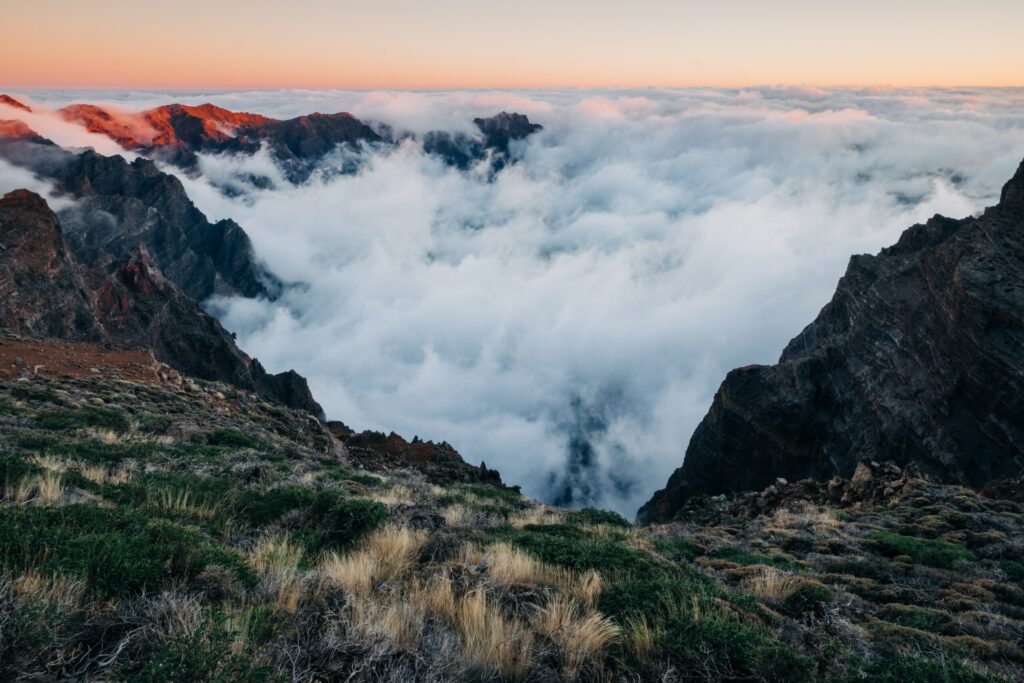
(918, 358)
(47, 293)
(121, 204)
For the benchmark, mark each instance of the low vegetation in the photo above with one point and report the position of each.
(162, 533)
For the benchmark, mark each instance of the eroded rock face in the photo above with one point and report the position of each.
(47, 293)
(42, 291)
(120, 205)
(918, 358)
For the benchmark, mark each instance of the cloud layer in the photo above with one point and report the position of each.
(569, 322)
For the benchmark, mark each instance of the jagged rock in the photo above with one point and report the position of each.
(918, 358)
(120, 205)
(48, 293)
(42, 291)
(496, 135)
(177, 133)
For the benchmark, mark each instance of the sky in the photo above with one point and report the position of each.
(446, 44)
(569, 320)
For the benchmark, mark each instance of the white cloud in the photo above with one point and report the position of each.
(649, 241)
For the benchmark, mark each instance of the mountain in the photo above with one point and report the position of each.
(11, 102)
(497, 133)
(177, 132)
(47, 293)
(120, 204)
(42, 290)
(918, 358)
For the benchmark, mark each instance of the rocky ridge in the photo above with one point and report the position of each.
(917, 359)
(49, 294)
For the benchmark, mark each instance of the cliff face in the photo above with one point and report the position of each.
(120, 205)
(42, 291)
(47, 293)
(919, 357)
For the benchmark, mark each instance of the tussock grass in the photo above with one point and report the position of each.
(771, 584)
(492, 642)
(44, 489)
(582, 635)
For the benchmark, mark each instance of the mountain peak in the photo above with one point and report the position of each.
(1013, 190)
(11, 102)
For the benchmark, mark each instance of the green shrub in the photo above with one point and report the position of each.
(921, 618)
(90, 451)
(655, 593)
(682, 548)
(340, 522)
(116, 552)
(575, 548)
(921, 551)
(1014, 570)
(81, 418)
(917, 670)
(262, 507)
(595, 516)
(745, 557)
(235, 438)
(13, 468)
(201, 656)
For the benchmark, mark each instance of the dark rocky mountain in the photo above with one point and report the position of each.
(496, 135)
(918, 358)
(176, 133)
(47, 293)
(42, 291)
(121, 204)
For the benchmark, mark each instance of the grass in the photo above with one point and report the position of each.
(245, 548)
(929, 552)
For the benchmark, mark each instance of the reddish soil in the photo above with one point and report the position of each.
(50, 358)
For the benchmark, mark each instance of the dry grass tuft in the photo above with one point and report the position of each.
(45, 489)
(399, 621)
(541, 515)
(771, 584)
(276, 559)
(353, 572)
(490, 641)
(396, 495)
(640, 639)
(582, 635)
(56, 590)
(387, 555)
(182, 503)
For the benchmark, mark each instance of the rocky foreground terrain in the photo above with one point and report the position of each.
(154, 527)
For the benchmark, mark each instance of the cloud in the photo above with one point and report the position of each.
(50, 125)
(569, 322)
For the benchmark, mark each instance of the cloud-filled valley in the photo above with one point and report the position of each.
(568, 319)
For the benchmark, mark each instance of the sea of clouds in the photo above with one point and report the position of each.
(569, 320)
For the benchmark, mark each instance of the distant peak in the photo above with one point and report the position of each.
(11, 102)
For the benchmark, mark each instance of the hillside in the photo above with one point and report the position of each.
(155, 527)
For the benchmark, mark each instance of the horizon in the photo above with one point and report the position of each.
(457, 45)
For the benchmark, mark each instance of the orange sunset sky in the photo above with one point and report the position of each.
(508, 43)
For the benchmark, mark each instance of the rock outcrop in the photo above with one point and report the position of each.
(42, 291)
(121, 204)
(918, 359)
(497, 133)
(47, 293)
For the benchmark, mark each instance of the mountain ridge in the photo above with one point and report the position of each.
(916, 359)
